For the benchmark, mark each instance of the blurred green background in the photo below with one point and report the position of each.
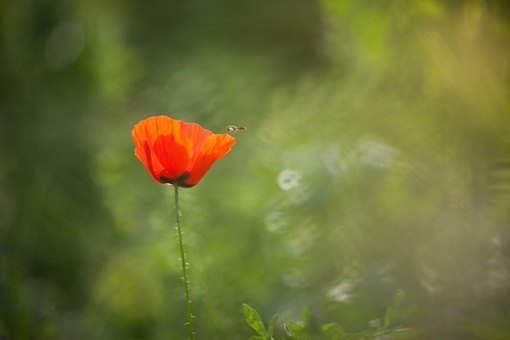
(377, 157)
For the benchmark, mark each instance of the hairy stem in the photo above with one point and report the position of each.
(184, 264)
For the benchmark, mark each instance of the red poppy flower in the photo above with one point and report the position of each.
(176, 152)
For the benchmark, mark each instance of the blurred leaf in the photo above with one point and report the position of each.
(305, 314)
(253, 319)
(298, 330)
(272, 325)
(332, 331)
(288, 330)
(396, 313)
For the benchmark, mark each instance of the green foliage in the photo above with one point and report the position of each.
(253, 319)
(391, 327)
(376, 157)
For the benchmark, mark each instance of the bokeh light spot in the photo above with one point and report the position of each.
(376, 153)
(288, 179)
(64, 45)
(275, 222)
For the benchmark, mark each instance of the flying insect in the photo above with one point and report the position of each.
(233, 128)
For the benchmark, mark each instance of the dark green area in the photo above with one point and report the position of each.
(377, 158)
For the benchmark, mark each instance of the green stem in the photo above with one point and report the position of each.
(184, 264)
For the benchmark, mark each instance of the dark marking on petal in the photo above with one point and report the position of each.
(179, 181)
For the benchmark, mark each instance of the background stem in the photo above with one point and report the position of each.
(184, 264)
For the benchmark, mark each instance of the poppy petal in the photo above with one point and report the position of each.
(172, 155)
(196, 135)
(213, 148)
(177, 152)
(157, 146)
(145, 152)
